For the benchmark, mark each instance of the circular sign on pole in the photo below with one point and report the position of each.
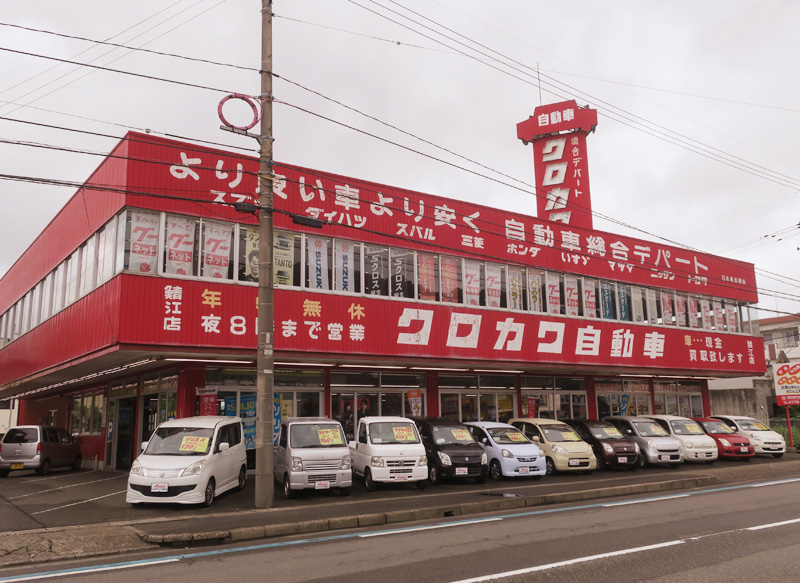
(252, 102)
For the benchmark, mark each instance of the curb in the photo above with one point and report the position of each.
(398, 516)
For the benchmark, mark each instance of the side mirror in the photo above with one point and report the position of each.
(485, 440)
(224, 446)
(535, 438)
(144, 445)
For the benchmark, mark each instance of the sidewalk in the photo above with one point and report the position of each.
(34, 546)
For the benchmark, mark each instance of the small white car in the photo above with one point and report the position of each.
(189, 461)
(697, 446)
(389, 449)
(510, 452)
(764, 439)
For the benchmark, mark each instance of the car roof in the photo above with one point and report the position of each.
(668, 417)
(203, 421)
(733, 416)
(393, 419)
(628, 418)
(309, 420)
(488, 424)
(540, 420)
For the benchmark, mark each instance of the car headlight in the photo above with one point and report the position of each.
(297, 464)
(484, 459)
(689, 444)
(506, 453)
(636, 447)
(608, 448)
(445, 459)
(651, 444)
(422, 461)
(725, 442)
(756, 438)
(376, 461)
(559, 449)
(346, 462)
(136, 468)
(194, 469)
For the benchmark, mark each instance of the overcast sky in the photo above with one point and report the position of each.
(697, 101)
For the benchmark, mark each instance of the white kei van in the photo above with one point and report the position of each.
(312, 454)
(389, 449)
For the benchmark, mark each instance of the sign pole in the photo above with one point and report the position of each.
(789, 427)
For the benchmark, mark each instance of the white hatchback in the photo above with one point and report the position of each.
(764, 439)
(189, 461)
(510, 452)
(697, 446)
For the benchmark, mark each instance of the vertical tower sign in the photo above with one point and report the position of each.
(558, 133)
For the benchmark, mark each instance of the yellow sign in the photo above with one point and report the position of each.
(461, 435)
(403, 433)
(192, 443)
(330, 436)
(516, 437)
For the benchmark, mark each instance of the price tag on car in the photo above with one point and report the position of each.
(322, 485)
(159, 487)
(461, 471)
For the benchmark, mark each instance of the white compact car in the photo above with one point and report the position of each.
(697, 446)
(510, 452)
(764, 439)
(189, 461)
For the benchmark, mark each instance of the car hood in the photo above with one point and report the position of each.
(570, 446)
(168, 462)
(519, 449)
(460, 449)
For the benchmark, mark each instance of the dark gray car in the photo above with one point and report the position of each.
(35, 447)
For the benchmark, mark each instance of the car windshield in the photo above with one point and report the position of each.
(605, 432)
(559, 434)
(393, 432)
(21, 435)
(753, 425)
(180, 441)
(507, 435)
(316, 435)
(680, 427)
(449, 434)
(649, 429)
(715, 427)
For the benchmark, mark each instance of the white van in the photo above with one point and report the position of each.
(189, 461)
(697, 446)
(389, 449)
(312, 453)
(764, 439)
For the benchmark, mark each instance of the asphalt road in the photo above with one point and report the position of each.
(736, 532)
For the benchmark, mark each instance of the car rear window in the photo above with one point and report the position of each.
(22, 435)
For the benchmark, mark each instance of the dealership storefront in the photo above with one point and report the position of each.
(404, 303)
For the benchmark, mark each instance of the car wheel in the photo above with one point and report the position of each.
(369, 483)
(44, 469)
(421, 484)
(287, 487)
(601, 464)
(550, 466)
(495, 471)
(4, 473)
(344, 491)
(777, 455)
(76, 465)
(242, 478)
(642, 461)
(434, 475)
(208, 498)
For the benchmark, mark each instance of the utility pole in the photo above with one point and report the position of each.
(265, 360)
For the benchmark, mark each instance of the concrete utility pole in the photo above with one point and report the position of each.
(265, 361)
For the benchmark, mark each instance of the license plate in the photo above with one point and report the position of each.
(461, 471)
(744, 449)
(663, 458)
(17, 466)
(701, 454)
(159, 487)
(401, 478)
(524, 470)
(622, 460)
(323, 485)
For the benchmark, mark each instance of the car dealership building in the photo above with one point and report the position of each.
(138, 304)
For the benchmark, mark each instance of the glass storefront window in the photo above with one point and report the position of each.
(449, 406)
(216, 250)
(347, 267)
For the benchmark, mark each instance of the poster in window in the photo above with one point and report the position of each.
(733, 320)
(535, 291)
(283, 258)
(515, 288)
(180, 245)
(692, 308)
(318, 263)
(637, 304)
(344, 257)
(666, 308)
(571, 296)
(144, 241)
(590, 298)
(449, 279)
(553, 293)
(623, 301)
(493, 285)
(426, 272)
(708, 315)
(680, 309)
(608, 300)
(719, 316)
(402, 274)
(250, 264)
(472, 283)
(652, 306)
(217, 249)
(376, 268)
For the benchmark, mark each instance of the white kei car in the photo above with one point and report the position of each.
(510, 453)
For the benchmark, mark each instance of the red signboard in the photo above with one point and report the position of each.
(385, 215)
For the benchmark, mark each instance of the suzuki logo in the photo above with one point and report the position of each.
(466, 459)
(161, 475)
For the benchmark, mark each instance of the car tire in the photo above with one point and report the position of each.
(495, 471)
(601, 464)
(210, 493)
(344, 491)
(642, 461)
(369, 483)
(421, 484)
(777, 455)
(4, 473)
(242, 478)
(76, 465)
(550, 466)
(287, 487)
(434, 475)
(44, 469)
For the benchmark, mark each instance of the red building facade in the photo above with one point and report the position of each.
(138, 303)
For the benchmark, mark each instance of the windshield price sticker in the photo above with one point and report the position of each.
(330, 436)
(461, 435)
(194, 443)
(570, 436)
(613, 432)
(694, 428)
(403, 433)
(657, 430)
(516, 436)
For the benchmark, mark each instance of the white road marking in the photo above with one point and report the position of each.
(65, 487)
(418, 528)
(87, 570)
(776, 483)
(645, 500)
(774, 524)
(76, 503)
